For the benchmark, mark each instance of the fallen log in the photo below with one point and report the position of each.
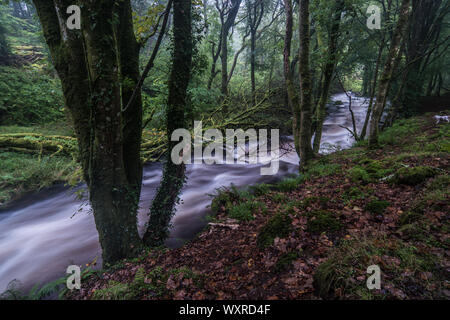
(154, 144)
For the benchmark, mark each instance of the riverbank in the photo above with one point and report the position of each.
(313, 236)
(24, 171)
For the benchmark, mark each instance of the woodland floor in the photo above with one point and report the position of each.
(313, 236)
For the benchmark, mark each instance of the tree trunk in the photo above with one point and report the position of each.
(328, 73)
(113, 198)
(292, 97)
(129, 77)
(252, 65)
(255, 13)
(373, 86)
(425, 25)
(231, 17)
(385, 80)
(87, 63)
(172, 182)
(306, 151)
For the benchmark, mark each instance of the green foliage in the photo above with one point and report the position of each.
(244, 211)
(322, 221)
(37, 292)
(278, 225)
(4, 45)
(349, 261)
(279, 197)
(226, 198)
(29, 97)
(376, 206)
(260, 189)
(435, 195)
(323, 201)
(413, 176)
(322, 169)
(358, 174)
(401, 130)
(375, 168)
(290, 184)
(152, 284)
(354, 193)
(20, 173)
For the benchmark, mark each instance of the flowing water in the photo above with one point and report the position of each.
(41, 234)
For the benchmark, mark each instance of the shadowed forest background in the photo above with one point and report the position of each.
(91, 111)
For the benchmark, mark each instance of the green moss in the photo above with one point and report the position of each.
(413, 176)
(350, 259)
(278, 225)
(322, 221)
(401, 130)
(376, 206)
(358, 174)
(323, 168)
(438, 146)
(151, 284)
(354, 193)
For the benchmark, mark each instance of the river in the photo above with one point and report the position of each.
(42, 233)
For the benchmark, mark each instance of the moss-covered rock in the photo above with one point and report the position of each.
(413, 176)
(277, 226)
(358, 174)
(322, 221)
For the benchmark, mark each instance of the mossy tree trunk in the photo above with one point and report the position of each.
(129, 77)
(88, 64)
(330, 64)
(174, 174)
(424, 31)
(385, 81)
(255, 13)
(292, 96)
(229, 22)
(306, 151)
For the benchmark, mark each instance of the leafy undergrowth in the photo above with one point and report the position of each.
(313, 236)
